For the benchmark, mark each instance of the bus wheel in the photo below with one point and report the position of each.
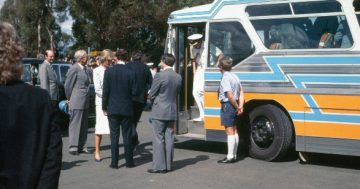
(271, 133)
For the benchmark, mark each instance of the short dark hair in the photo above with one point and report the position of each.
(168, 59)
(137, 55)
(121, 54)
(226, 63)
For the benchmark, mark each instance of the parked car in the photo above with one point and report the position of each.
(61, 69)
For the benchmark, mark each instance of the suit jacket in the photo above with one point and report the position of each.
(119, 88)
(48, 80)
(164, 92)
(30, 146)
(143, 80)
(77, 87)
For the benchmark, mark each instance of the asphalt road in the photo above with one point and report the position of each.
(195, 167)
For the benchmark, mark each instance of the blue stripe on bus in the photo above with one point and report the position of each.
(300, 80)
(276, 74)
(215, 7)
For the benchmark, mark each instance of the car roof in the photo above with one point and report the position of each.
(40, 61)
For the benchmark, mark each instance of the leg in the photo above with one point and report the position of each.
(127, 132)
(138, 108)
(114, 123)
(74, 129)
(83, 129)
(169, 144)
(231, 141)
(198, 93)
(97, 146)
(159, 156)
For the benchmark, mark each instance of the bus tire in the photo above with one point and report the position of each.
(271, 133)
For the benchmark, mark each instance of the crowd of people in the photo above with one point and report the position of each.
(122, 88)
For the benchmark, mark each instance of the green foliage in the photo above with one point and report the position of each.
(131, 24)
(99, 24)
(28, 15)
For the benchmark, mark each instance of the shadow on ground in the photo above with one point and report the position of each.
(337, 161)
(68, 165)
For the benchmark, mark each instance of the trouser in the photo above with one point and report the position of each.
(163, 144)
(198, 90)
(78, 128)
(115, 121)
(138, 109)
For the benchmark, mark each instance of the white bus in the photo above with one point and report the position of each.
(299, 63)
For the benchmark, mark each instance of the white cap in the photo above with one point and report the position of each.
(195, 37)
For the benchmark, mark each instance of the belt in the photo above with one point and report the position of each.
(223, 102)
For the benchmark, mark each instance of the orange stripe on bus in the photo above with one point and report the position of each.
(292, 102)
(213, 123)
(331, 130)
(338, 103)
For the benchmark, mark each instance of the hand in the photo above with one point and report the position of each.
(239, 110)
(105, 113)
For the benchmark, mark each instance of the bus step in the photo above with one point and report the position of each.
(196, 127)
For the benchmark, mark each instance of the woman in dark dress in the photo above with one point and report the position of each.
(30, 146)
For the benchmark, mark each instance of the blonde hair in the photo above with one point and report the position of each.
(11, 53)
(107, 54)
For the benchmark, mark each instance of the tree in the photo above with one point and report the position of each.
(130, 24)
(35, 21)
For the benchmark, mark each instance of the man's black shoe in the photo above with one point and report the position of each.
(114, 166)
(156, 171)
(226, 160)
(74, 153)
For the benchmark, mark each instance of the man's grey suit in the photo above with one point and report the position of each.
(48, 80)
(164, 92)
(77, 92)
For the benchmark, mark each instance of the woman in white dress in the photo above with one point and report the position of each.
(102, 124)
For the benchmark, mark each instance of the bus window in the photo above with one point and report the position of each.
(231, 39)
(316, 7)
(304, 33)
(268, 10)
(356, 5)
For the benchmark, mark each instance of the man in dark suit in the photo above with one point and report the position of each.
(118, 89)
(77, 83)
(164, 91)
(143, 80)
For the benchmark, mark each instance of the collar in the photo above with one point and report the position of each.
(81, 66)
(167, 68)
(47, 62)
(121, 62)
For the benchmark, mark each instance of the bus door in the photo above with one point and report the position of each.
(186, 105)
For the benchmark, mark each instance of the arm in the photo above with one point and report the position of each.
(241, 101)
(149, 81)
(106, 92)
(98, 84)
(43, 76)
(50, 173)
(155, 87)
(70, 82)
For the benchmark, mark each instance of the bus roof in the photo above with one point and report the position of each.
(205, 12)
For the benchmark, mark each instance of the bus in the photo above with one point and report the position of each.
(299, 64)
